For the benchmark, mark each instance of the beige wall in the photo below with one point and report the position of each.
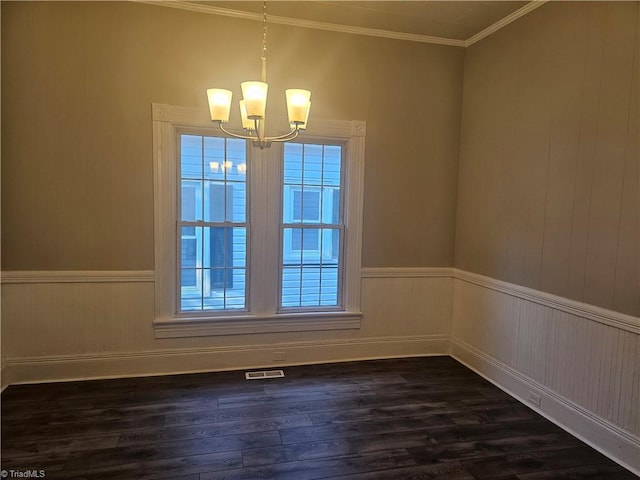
(548, 192)
(547, 196)
(78, 82)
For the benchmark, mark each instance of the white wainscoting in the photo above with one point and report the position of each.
(80, 325)
(582, 360)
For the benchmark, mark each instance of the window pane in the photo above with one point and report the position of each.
(307, 239)
(291, 286)
(310, 287)
(312, 165)
(189, 277)
(215, 201)
(225, 288)
(329, 286)
(310, 246)
(236, 202)
(291, 246)
(213, 255)
(225, 202)
(235, 296)
(214, 158)
(331, 205)
(306, 206)
(191, 247)
(190, 289)
(189, 252)
(239, 239)
(190, 200)
(332, 165)
(236, 160)
(214, 289)
(225, 247)
(191, 156)
(293, 163)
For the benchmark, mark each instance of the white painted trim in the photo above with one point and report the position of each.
(246, 324)
(200, 117)
(4, 383)
(183, 115)
(619, 445)
(190, 360)
(311, 24)
(584, 310)
(350, 29)
(407, 272)
(77, 276)
(529, 7)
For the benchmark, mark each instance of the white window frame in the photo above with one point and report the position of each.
(265, 180)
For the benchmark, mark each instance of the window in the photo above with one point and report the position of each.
(212, 225)
(312, 225)
(251, 240)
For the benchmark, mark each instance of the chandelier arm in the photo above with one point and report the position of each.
(235, 135)
(287, 136)
(259, 126)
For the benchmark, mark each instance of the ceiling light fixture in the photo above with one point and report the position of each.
(253, 105)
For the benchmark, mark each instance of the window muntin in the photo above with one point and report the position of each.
(312, 226)
(212, 227)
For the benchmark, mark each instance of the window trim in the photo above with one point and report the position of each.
(167, 121)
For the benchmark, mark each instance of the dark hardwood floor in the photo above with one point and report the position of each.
(420, 418)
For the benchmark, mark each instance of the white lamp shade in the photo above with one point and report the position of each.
(255, 98)
(298, 105)
(246, 123)
(306, 119)
(219, 104)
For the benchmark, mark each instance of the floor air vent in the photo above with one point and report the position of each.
(264, 374)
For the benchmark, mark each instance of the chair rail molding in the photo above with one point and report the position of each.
(76, 276)
(584, 310)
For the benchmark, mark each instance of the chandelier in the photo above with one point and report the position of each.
(253, 105)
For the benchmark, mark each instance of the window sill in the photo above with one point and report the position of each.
(254, 324)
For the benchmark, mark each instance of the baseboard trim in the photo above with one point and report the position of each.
(619, 445)
(3, 376)
(191, 360)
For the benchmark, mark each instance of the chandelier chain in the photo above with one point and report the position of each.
(264, 30)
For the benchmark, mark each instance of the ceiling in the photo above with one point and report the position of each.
(457, 21)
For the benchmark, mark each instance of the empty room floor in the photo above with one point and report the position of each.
(413, 418)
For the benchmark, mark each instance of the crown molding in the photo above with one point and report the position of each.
(529, 7)
(295, 22)
(334, 27)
